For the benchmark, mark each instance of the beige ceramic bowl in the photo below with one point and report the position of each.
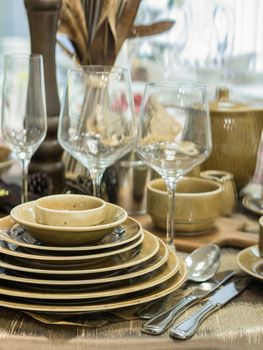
(197, 204)
(24, 214)
(69, 210)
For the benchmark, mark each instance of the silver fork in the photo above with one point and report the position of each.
(157, 306)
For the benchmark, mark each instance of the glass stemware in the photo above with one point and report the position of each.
(96, 124)
(24, 118)
(174, 134)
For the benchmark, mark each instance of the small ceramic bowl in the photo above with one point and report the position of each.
(69, 210)
(6, 159)
(197, 204)
(24, 214)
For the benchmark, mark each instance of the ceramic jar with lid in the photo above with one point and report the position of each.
(236, 129)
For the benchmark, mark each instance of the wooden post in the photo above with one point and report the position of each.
(43, 21)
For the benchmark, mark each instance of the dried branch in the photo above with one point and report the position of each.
(98, 28)
(73, 25)
(125, 24)
(151, 29)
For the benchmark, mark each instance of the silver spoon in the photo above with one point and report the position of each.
(202, 264)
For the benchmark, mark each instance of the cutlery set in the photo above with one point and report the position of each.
(189, 326)
(186, 328)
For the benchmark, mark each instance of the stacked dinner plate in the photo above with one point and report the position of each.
(129, 266)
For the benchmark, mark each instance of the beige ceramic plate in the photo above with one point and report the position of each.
(24, 214)
(164, 289)
(168, 270)
(72, 259)
(250, 261)
(126, 233)
(159, 260)
(148, 249)
(249, 203)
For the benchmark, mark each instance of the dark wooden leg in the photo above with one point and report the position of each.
(43, 21)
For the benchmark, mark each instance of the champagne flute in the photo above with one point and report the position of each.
(24, 118)
(174, 134)
(96, 124)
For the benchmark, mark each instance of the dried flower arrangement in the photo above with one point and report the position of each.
(97, 29)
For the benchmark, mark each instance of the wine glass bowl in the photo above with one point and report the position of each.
(97, 117)
(174, 133)
(23, 119)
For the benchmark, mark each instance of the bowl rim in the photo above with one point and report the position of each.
(30, 206)
(219, 188)
(102, 205)
(208, 174)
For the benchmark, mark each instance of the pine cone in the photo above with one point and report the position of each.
(40, 184)
(82, 184)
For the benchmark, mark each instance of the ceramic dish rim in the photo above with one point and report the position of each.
(109, 279)
(102, 205)
(88, 271)
(250, 272)
(8, 251)
(106, 306)
(73, 248)
(66, 229)
(150, 283)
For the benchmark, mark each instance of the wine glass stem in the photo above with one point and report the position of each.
(171, 187)
(24, 189)
(96, 176)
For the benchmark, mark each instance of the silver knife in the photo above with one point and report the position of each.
(189, 326)
(161, 322)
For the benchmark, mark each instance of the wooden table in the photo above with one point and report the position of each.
(237, 325)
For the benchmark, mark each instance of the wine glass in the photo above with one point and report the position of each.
(174, 134)
(24, 118)
(96, 124)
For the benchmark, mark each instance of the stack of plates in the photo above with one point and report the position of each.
(129, 266)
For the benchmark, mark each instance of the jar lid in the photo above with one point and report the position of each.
(223, 103)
